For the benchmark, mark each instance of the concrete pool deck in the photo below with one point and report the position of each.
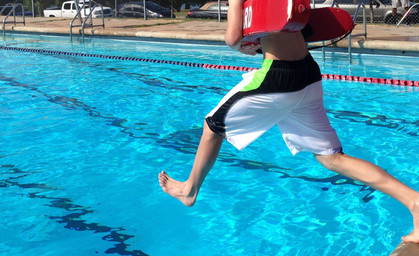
(403, 40)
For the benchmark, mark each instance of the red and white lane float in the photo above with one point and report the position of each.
(371, 80)
(207, 66)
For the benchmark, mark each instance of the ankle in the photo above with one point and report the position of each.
(190, 190)
(413, 207)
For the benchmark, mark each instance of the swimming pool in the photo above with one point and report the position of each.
(84, 138)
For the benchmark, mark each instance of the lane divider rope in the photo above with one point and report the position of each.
(214, 66)
(371, 80)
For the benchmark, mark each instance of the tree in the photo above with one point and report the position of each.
(40, 5)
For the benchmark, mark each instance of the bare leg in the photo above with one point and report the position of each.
(205, 158)
(379, 179)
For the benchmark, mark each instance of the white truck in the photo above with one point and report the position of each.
(69, 10)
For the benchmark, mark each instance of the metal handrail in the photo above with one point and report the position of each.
(13, 10)
(364, 21)
(405, 15)
(91, 18)
(90, 15)
(350, 35)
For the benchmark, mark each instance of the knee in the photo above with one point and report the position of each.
(208, 133)
(329, 161)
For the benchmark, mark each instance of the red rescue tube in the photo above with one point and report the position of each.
(262, 17)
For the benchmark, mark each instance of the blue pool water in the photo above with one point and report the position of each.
(82, 140)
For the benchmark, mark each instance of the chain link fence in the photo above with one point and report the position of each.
(373, 11)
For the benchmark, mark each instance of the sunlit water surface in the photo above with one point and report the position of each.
(82, 140)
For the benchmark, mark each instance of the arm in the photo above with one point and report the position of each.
(234, 33)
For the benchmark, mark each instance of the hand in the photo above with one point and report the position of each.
(249, 48)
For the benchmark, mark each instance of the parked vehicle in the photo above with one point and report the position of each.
(69, 10)
(136, 10)
(382, 9)
(210, 11)
(18, 11)
(189, 6)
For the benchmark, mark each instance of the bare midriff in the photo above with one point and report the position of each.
(284, 46)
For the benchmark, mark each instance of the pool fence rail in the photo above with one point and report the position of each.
(377, 12)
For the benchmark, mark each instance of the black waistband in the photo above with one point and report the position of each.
(290, 76)
(307, 60)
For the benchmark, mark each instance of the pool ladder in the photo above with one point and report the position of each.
(364, 21)
(12, 12)
(89, 17)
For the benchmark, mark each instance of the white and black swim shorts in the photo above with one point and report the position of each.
(288, 94)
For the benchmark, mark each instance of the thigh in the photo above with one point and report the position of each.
(307, 127)
(251, 116)
(405, 3)
(395, 3)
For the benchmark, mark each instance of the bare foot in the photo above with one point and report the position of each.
(414, 235)
(177, 189)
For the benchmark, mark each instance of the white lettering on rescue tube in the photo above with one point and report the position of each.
(247, 19)
(290, 7)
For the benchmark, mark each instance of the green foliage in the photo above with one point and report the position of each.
(40, 5)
